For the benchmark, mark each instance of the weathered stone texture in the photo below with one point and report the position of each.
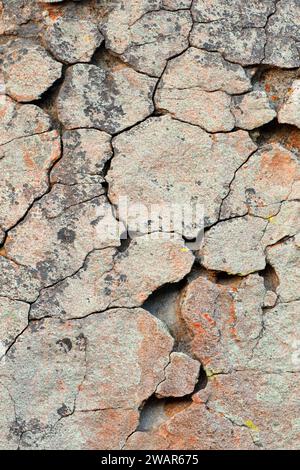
(108, 101)
(183, 165)
(28, 70)
(125, 323)
(72, 41)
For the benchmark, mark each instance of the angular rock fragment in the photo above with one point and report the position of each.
(209, 110)
(262, 183)
(18, 17)
(61, 230)
(208, 71)
(86, 151)
(184, 165)
(112, 279)
(13, 320)
(71, 366)
(234, 246)
(72, 40)
(18, 281)
(181, 376)
(270, 299)
(145, 36)
(276, 82)
(289, 112)
(251, 14)
(252, 110)
(108, 101)
(264, 403)
(285, 259)
(223, 321)
(238, 44)
(194, 428)
(28, 70)
(195, 87)
(21, 120)
(282, 47)
(236, 28)
(25, 164)
(119, 18)
(156, 37)
(279, 342)
(284, 224)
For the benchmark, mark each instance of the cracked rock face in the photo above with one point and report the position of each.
(25, 163)
(106, 100)
(72, 41)
(119, 121)
(28, 71)
(184, 165)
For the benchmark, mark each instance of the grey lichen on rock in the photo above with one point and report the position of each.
(108, 101)
(71, 40)
(28, 70)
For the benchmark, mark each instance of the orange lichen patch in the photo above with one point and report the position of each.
(3, 252)
(267, 87)
(293, 140)
(279, 166)
(175, 407)
(274, 98)
(232, 313)
(210, 320)
(232, 320)
(199, 328)
(54, 12)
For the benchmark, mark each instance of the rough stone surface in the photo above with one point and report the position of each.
(156, 37)
(112, 279)
(289, 112)
(72, 41)
(28, 71)
(285, 259)
(193, 428)
(183, 165)
(263, 404)
(233, 28)
(282, 48)
(13, 320)
(86, 152)
(61, 229)
(206, 70)
(149, 40)
(198, 107)
(252, 110)
(73, 368)
(223, 321)
(19, 121)
(234, 246)
(108, 101)
(181, 376)
(25, 163)
(149, 225)
(260, 186)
